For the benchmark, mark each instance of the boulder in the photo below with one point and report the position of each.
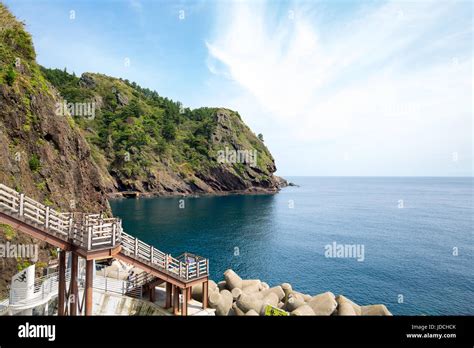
(377, 309)
(323, 304)
(342, 299)
(251, 313)
(303, 310)
(232, 280)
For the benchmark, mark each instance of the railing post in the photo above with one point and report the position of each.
(22, 200)
(151, 253)
(114, 228)
(197, 269)
(89, 238)
(136, 246)
(207, 266)
(187, 270)
(46, 218)
(179, 274)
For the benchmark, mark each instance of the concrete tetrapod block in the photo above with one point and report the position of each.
(303, 310)
(323, 304)
(222, 285)
(287, 290)
(264, 286)
(232, 279)
(276, 289)
(377, 309)
(251, 282)
(236, 292)
(252, 288)
(251, 313)
(271, 299)
(221, 302)
(196, 292)
(237, 310)
(294, 301)
(342, 299)
(345, 308)
(247, 302)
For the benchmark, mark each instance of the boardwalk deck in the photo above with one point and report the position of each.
(93, 236)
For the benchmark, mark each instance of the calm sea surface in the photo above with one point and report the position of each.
(417, 235)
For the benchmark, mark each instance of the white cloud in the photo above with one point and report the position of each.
(389, 84)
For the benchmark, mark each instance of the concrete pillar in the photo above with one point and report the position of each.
(73, 291)
(205, 294)
(152, 293)
(89, 283)
(62, 283)
(175, 300)
(188, 292)
(184, 304)
(169, 290)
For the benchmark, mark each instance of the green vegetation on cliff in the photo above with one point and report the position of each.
(143, 136)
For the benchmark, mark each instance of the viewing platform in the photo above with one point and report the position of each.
(94, 237)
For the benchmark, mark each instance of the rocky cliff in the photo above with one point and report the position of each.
(147, 143)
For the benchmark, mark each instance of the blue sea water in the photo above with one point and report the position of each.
(417, 235)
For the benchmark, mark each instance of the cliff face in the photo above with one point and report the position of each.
(146, 143)
(41, 154)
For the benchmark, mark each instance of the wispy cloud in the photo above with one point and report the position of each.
(389, 80)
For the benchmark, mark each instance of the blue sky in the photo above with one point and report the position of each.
(336, 87)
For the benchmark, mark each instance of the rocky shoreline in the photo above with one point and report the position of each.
(282, 183)
(235, 296)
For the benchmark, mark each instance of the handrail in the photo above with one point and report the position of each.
(94, 232)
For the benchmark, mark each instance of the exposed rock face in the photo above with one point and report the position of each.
(251, 297)
(42, 154)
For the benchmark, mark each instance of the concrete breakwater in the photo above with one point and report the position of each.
(251, 297)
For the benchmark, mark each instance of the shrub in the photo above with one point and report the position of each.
(34, 163)
(10, 76)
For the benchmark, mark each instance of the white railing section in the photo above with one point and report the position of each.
(95, 232)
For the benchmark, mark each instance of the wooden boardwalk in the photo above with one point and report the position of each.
(94, 237)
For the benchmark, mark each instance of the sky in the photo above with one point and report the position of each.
(337, 88)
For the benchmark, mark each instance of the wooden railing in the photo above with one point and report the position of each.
(94, 232)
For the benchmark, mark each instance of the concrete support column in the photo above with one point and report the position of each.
(175, 300)
(169, 290)
(62, 283)
(189, 291)
(205, 294)
(152, 293)
(89, 283)
(73, 291)
(184, 304)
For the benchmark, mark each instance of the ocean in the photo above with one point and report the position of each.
(404, 242)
